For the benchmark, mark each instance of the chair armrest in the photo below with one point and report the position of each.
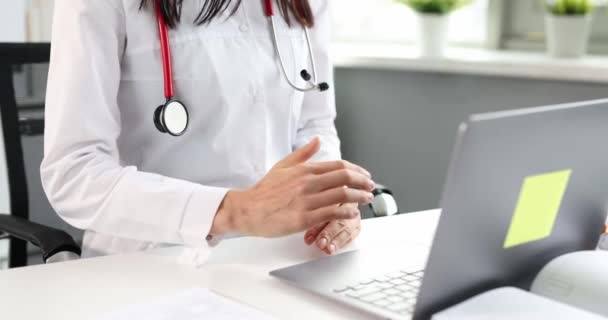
(50, 241)
(30, 127)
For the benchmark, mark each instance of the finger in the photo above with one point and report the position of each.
(324, 167)
(329, 233)
(301, 155)
(324, 215)
(311, 234)
(340, 178)
(337, 196)
(345, 237)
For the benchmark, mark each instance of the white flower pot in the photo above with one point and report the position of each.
(433, 34)
(567, 36)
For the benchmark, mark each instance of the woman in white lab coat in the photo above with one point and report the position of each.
(259, 158)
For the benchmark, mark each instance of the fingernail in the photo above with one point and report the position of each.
(370, 197)
(322, 243)
(372, 185)
(332, 248)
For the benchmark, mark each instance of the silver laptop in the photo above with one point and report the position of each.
(523, 187)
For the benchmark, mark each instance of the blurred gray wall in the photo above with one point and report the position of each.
(400, 125)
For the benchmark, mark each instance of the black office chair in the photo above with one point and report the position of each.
(55, 245)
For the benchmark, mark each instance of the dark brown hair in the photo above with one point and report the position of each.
(172, 10)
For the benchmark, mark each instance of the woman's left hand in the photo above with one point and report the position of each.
(335, 235)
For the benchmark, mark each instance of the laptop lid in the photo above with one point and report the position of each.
(523, 187)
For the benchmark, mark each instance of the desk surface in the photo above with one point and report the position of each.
(238, 269)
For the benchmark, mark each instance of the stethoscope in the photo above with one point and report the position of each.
(172, 117)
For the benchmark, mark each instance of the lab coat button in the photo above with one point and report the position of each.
(244, 28)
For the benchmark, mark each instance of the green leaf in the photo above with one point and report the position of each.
(569, 7)
(439, 7)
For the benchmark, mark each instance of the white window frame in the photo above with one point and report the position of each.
(493, 28)
(533, 39)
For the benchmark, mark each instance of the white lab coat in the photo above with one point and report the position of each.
(107, 169)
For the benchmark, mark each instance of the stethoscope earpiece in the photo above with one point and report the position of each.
(323, 86)
(305, 75)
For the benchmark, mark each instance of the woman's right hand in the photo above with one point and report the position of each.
(295, 196)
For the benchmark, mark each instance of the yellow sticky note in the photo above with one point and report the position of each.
(539, 201)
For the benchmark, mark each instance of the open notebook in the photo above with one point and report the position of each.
(573, 286)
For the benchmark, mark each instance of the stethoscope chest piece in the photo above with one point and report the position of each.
(172, 118)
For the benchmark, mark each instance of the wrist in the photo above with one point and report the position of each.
(225, 218)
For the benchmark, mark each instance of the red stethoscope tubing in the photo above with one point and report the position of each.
(269, 10)
(269, 7)
(166, 51)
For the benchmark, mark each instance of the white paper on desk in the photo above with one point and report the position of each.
(187, 305)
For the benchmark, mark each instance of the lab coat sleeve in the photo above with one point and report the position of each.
(81, 171)
(318, 112)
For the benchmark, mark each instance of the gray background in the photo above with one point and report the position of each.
(398, 124)
(401, 125)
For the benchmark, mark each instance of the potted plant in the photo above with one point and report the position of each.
(568, 27)
(433, 18)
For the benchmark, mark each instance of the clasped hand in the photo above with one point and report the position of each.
(296, 196)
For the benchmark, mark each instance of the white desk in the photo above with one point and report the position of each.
(237, 269)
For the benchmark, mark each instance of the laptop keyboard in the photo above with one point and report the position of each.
(396, 291)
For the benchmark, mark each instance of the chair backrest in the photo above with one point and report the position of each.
(13, 182)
